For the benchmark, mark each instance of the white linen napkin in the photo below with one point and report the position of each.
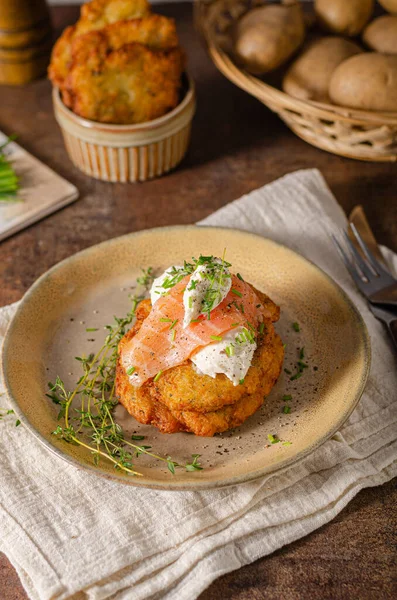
(71, 534)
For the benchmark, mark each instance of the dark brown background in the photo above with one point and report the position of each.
(237, 146)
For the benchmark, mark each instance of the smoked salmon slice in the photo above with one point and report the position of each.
(163, 343)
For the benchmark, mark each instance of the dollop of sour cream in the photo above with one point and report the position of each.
(197, 289)
(157, 290)
(231, 356)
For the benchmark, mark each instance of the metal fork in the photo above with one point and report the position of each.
(372, 279)
(370, 276)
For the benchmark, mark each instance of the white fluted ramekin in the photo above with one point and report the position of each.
(127, 152)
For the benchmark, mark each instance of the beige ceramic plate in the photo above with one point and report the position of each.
(86, 290)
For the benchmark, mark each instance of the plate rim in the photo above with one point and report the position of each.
(191, 485)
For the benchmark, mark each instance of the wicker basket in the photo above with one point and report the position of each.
(359, 134)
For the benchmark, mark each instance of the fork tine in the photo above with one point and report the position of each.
(349, 265)
(376, 265)
(357, 257)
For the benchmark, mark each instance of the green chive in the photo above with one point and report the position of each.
(239, 276)
(302, 364)
(286, 398)
(286, 409)
(261, 328)
(174, 323)
(287, 371)
(158, 376)
(273, 439)
(235, 324)
(195, 321)
(295, 327)
(17, 423)
(216, 338)
(241, 381)
(287, 443)
(131, 370)
(302, 353)
(237, 293)
(296, 376)
(164, 320)
(92, 329)
(190, 302)
(173, 334)
(137, 437)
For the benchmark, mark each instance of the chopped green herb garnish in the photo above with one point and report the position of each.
(302, 353)
(286, 398)
(92, 329)
(229, 350)
(240, 277)
(216, 338)
(190, 302)
(245, 336)
(165, 320)
(296, 376)
(287, 371)
(241, 381)
(303, 365)
(158, 376)
(287, 443)
(295, 327)
(286, 409)
(173, 334)
(174, 323)
(237, 293)
(235, 324)
(195, 321)
(131, 370)
(137, 438)
(261, 328)
(17, 423)
(273, 439)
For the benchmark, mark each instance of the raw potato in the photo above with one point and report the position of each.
(309, 76)
(346, 17)
(389, 5)
(381, 34)
(367, 81)
(267, 36)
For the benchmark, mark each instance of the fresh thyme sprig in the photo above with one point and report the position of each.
(92, 424)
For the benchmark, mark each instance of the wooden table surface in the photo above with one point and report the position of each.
(237, 145)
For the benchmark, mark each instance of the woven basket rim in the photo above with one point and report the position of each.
(266, 92)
